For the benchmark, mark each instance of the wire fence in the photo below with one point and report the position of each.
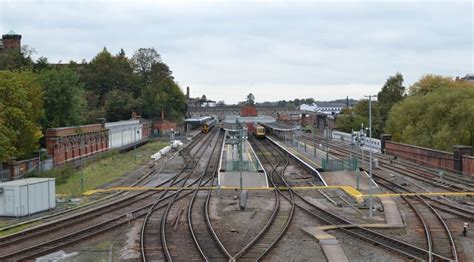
(340, 164)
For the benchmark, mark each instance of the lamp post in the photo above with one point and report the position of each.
(314, 140)
(135, 146)
(327, 140)
(80, 160)
(370, 156)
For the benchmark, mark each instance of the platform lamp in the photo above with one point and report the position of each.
(82, 173)
(370, 156)
(135, 146)
(327, 139)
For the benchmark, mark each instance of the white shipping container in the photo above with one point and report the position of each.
(27, 196)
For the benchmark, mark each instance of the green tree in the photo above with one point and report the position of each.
(143, 60)
(41, 64)
(429, 83)
(106, 73)
(13, 59)
(392, 92)
(350, 122)
(440, 119)
(64, 98)
(163, 98)
(250, 99)
(353, 119)
(119, 105)
(21, 107)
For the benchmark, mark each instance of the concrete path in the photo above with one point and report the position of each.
(331, 248)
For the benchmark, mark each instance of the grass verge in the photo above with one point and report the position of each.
(102, 171)
(18, 228)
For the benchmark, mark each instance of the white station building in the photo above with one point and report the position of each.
(124, 132)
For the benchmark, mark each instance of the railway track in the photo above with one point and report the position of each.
(400, 247)
(151, 233)
(437, 234)
(424, 174)
(204, 236)
(449, 207)
(281, 217)
(47, 238)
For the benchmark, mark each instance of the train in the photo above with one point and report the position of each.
(208, 125)
(257, 130)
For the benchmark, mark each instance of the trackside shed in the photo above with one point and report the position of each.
(27, 196)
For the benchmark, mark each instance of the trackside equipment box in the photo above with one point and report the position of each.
(27, 196)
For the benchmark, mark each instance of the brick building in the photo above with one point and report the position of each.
(161, 128)
(71, 143)
(10, 41)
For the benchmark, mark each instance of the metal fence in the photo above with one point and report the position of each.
(5, 175)
(248, 166)
(340, 164)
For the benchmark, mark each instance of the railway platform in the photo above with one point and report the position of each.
(231, 171)
(311, 164)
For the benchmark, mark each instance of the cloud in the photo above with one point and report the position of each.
(274, 49)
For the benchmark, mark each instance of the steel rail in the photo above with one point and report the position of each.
(190, 164)
(276, 211)
(164, 217)
(366, 234)
(212, 171)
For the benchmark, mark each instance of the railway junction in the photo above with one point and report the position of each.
(228, 195)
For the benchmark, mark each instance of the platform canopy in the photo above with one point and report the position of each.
(280, 126)
(197, 120)
(249, 119)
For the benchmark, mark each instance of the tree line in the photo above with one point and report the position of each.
(36, 95)
(435, 112)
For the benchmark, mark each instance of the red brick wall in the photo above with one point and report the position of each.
(146, 129)
(164, 127)
(64, 144)
(19, 168)
(248, 111)
(308, 120)
(9, 43)
(468, 165)
(73, 130)
(425, 156)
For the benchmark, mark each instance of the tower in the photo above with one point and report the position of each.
(11, 41)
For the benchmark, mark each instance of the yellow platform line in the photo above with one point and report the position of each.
(359, 196)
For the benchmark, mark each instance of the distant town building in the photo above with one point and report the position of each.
(198, 102)
(10, 41)
(208, 103)
(468, 78)
(328, 108)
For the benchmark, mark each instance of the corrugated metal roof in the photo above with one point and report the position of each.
(22, 182)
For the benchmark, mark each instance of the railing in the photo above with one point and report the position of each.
(339, 164)
(249, 166)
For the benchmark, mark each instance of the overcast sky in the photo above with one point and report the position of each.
(273, 49)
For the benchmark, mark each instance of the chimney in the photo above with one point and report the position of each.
(187, 92)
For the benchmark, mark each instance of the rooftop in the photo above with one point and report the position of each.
(26, 181)
(249, 119)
